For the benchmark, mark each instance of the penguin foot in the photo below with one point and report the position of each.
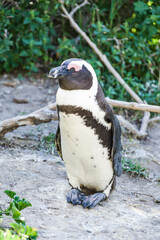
(74, 196)
(92, 200)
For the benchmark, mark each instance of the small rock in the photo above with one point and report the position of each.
(50, 92)
(9, 84)
(18, 100)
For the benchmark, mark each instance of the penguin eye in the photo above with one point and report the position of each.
(75, 66)
(72, 70)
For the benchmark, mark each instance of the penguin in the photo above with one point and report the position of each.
(88, 137)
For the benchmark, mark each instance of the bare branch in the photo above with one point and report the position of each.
(144, 123)
(78, 7)
(102, 57)
(48, 113)
(133, 105)
(155, 119)
(131, 128)
(42, 115)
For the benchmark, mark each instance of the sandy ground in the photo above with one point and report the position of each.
(26, 167)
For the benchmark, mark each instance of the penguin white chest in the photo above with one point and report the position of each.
(87, 161)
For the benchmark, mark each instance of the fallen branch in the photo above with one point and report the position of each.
(154, 119)
(102, 57)
(131, 128)
(42, 115)
(49, 113)
(144, 123)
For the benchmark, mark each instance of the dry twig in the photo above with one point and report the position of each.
(42, 115)
(144, 123)
(154, 119)
(133, 105)
(131, 128)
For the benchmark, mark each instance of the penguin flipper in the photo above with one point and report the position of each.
(116, 131)
(117, 147)
(58, 142)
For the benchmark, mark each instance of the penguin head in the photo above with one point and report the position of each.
(74, 74)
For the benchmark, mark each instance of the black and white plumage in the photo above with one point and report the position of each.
(88, 137)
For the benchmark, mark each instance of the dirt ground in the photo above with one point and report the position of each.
(26, 167)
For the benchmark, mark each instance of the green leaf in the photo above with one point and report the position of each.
(16, 199)
(27, 20)
(32, 232)
(23, 54)
(18, 228)
(152, 30)
(26, 41)
(15, 213)
(8, 235)
(154, 17)
(1, 235)
(140, 6)
(117, 58)
(38, 43)
(39, 20)
(10, 193)
(22, 204)
(37, 52)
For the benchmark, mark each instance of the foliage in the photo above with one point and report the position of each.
(18, 229)
(127, 32)
(24, 34)
(48, 142)
(131, 46)
(134, 168)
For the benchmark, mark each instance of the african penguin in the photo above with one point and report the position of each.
(88, 137)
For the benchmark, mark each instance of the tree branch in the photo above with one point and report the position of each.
(78, 7)
(154, 119)
(131, 128)
(42, 115)
(133, 105)
(144, 123)
(48, 113)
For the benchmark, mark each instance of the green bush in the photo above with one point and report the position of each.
(34, 34)
(26, 31)
(129, 42)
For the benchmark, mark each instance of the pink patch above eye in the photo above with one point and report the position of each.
(75, 66)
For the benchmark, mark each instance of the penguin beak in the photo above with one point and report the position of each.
(58, 72)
